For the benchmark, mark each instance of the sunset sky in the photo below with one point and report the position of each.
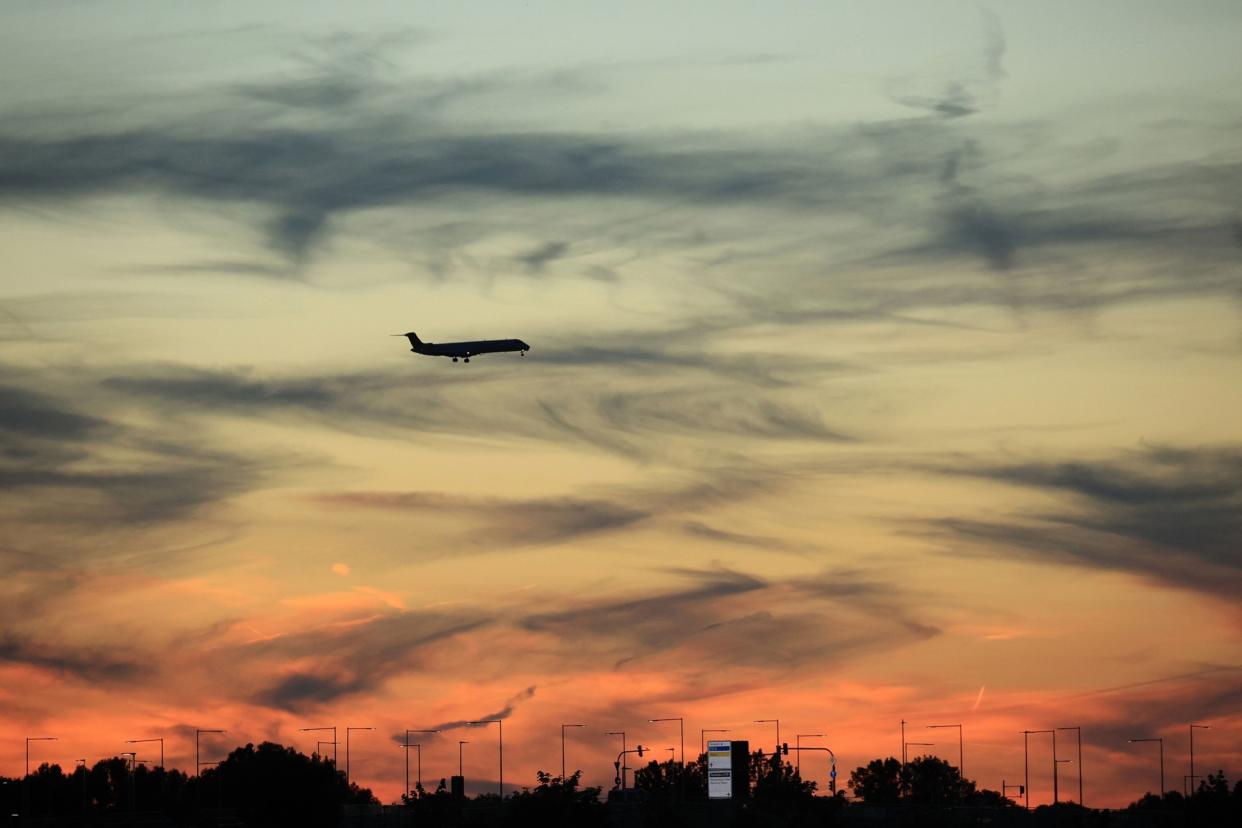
(886, 364)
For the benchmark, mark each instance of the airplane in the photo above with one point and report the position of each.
(464, 350)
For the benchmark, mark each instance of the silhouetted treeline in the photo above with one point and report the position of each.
(267, 785)
(271, 785)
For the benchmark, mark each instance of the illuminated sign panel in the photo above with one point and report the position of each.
(719, 770)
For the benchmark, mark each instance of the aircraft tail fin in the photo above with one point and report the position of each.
(413, 337)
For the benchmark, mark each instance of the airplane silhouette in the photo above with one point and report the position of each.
(464, 350)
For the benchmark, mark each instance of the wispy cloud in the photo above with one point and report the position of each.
(1167, 514)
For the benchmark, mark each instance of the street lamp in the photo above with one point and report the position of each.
(706, 730)
(1159, 739)
(30, 739)
(420, 758)
(335, 763)
(26, 781)
(681, 726)
(798, 743)
(1192, 753)
(419, 753)
(1026, 761)
(961, 763)
(197, 734)
(563, 748)
(904, 763)
(348, 730)
(1078, 733)
(1055, 774)
(140, 741)
(84, 795)
(778, 730)
(501, 726)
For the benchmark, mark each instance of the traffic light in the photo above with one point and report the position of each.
(640, 751)
(1021, 790)
(783, 749)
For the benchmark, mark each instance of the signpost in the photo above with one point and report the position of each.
(719, 770)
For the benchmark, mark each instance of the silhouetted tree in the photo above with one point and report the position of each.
(275, 785)
(929, 780)
(557, 801)
(878, 782)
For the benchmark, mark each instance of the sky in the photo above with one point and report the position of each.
(886, 365)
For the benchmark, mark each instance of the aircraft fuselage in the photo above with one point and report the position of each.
(465, 350)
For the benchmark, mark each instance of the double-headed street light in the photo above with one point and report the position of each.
(1159, 739)
(501, 742)
(563, 748)
(681, 726)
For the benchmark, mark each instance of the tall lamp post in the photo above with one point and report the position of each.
(26, 781)
(1160, 740)
(419, 752)
(1078, 734)
(1059, 762)
(1026, 761)
(778, 729)
(920, 744)
(624, 767)
(681, 726)
(563, 748)
(84, 796)
(198, 733)
(460, 764)
(420, 758)
(1192, 754)
(30, 739)
(335, 763)
(501, 725)
(961, 758)
(702, 734)
(349, 730)
(905, 764)
(798, 741)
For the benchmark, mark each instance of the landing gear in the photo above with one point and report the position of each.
(467, 359)
(523, 353)
(454, 359)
